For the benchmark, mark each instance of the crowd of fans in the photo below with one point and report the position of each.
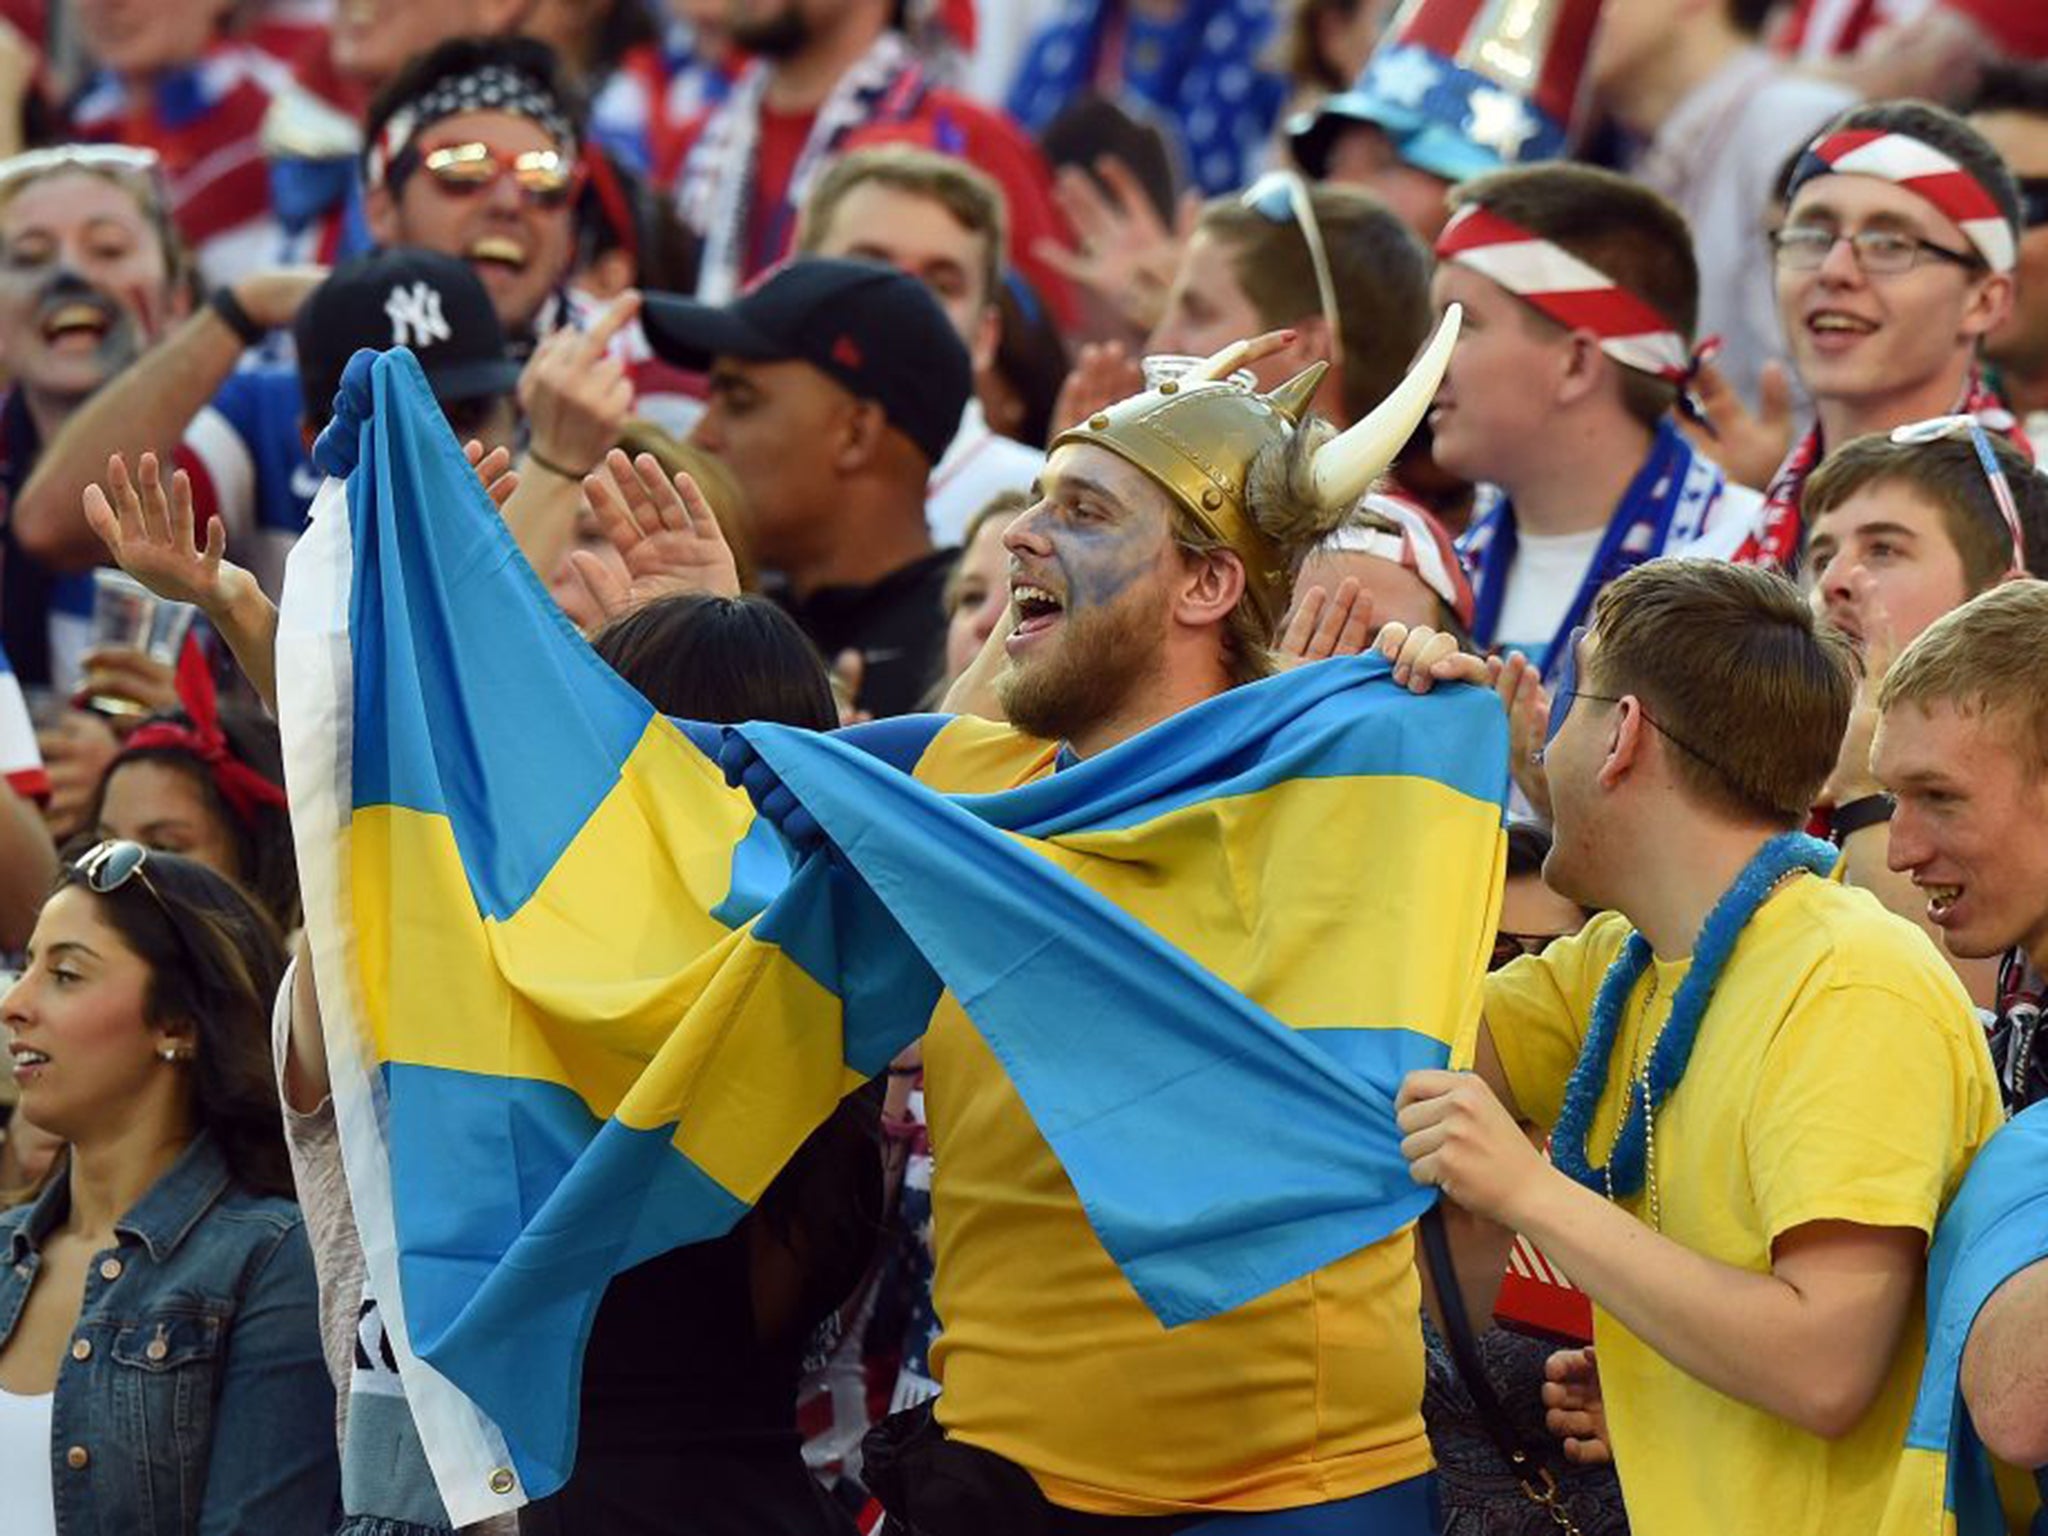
(774, 329)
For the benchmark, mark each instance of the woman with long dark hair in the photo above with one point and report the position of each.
(160, 1366)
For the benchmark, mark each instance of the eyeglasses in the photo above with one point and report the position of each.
(546, 178)
(1568, 689)
(1879, 252)
(1282, 197)
(2033, 201)
(1510, 947)
(1938, 429)
(140, 168)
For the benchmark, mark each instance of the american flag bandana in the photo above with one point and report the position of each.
(1922, 170)
(1569, 290)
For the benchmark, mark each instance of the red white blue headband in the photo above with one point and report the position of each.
(1571, 291)
(1922, 170)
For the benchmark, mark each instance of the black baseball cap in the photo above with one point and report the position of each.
(873, 329)
(432, 303)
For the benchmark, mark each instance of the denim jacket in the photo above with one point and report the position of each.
(193, 1397)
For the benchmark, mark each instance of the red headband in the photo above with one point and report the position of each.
(1569, 290)
(242, 787)
(1922, 170)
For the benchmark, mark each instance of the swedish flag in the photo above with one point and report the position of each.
(582, 1003)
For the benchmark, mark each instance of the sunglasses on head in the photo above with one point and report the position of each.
(138, 170)
(545, 177)
(1282, 197)
(1937, 429)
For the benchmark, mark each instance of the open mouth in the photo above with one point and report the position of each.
(28, 1062)
(1834, 324)
(498, 251)
(1037, 609)
(77, 320)
(1941, 901)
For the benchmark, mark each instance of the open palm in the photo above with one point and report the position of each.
(664, 531)
(153, 535)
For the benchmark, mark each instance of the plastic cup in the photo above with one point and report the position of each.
(126, 615)
(1158, 367)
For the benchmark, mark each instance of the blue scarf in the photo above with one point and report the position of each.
(1664, 508)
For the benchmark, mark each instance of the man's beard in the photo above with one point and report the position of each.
(1090, 672)
(783, 35)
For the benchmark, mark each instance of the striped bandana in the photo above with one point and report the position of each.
(1921, 169)
(1568, 290)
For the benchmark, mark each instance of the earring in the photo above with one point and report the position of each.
(172, 1054)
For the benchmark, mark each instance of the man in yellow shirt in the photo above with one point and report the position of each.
(1763, 1088)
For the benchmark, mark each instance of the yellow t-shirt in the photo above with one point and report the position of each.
(1839, 1075)
(1048, 1357)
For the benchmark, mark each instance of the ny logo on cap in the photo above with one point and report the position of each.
(416, 318)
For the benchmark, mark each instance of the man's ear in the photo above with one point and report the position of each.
(1989, 305)
(988, 337)
(1585, 368)
(380, 215)
(862, 429)
(1211, 585)
(1624, 741)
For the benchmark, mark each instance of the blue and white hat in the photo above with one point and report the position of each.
(1462, 87)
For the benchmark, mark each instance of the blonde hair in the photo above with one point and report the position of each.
(1988, 656)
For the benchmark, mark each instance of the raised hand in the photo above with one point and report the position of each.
(575, 395)
(1574, 1410)
(493, 471)
(663, 529)
(1527, 702)
(1127, 254)
(1749, 445)
(1322, 624)
(154, 537)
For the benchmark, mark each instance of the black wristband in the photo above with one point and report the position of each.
(222, 302)
(1853, 816)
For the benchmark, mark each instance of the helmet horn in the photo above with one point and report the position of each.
(1347, 465)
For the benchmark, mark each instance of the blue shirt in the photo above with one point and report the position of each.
(194, 1397)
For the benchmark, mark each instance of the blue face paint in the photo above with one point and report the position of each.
(1100, 544)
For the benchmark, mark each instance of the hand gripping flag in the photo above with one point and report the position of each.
(1996, 1226)
(580, 1008)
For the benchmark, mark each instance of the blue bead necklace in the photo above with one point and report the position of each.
(1622, 1174)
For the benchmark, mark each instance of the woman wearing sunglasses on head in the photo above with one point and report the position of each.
(160, 1367)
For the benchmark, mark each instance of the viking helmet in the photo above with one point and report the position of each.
(1198, 435)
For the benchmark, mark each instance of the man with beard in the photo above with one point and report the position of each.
(832, 75)
(92, 274)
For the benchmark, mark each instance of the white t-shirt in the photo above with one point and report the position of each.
(25, 1464)
(979, 464)
(1548, 571)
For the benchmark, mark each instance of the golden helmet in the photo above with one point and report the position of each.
(1198, 435)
